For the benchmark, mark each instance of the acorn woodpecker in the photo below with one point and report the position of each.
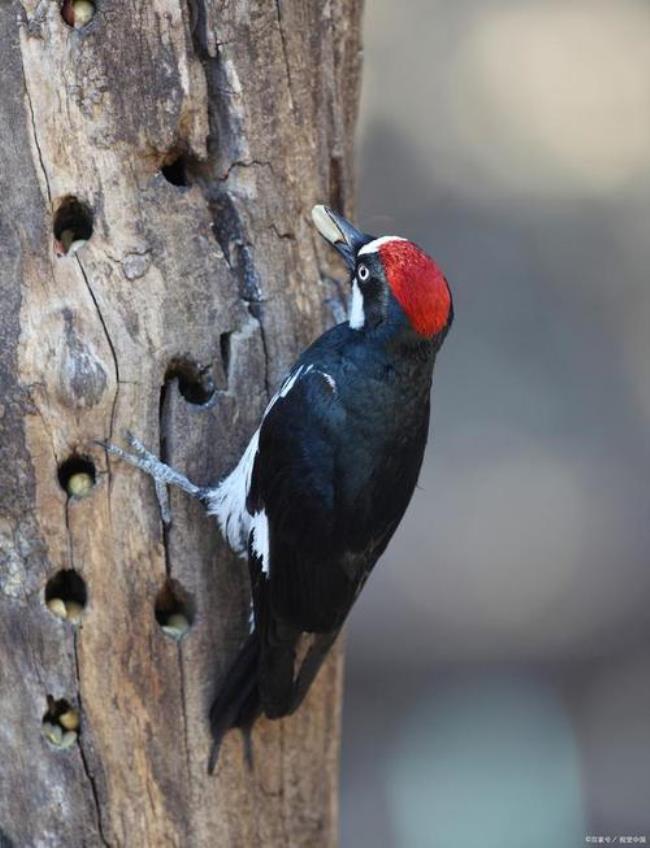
(327, 476)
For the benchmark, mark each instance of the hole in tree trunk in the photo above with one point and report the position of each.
(77, 13)
(73, 226)
(77, 476)
(175, 172)
(60, 723)
(174, 610)
(66, 595)
(195, 383)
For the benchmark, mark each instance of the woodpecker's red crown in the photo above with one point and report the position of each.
(415, 280)
(418, 284)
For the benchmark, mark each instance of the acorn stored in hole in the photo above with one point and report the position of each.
(68, 739)
(57, 607)
(74, 611)
(77, 13)
(79, 484)
(84, 12)
(69, 720)
(176, 626)
(52, 732)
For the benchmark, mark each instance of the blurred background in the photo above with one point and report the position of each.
(498, 673)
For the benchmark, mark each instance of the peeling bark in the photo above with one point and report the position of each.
(175, 320)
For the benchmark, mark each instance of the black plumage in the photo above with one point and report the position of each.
(338, 459)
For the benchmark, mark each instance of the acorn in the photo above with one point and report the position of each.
(74, 611)
(67, 244)
(79, 485)
(77, 13)
(68, 739)
(176, 626)
(76, 244)
(84, 11)
(66, 239)
(52, 732)
(69, 720)
(57, 607)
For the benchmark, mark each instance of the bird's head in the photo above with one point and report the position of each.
(389, 276)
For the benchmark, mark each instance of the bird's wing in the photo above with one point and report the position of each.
(295, 555)
(293, 501)
(323, 510)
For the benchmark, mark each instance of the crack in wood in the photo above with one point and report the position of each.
(111, 346)
(163, 427)
(36, 143)
(240, 163)
(82, 753)
(80, 741)
(186, 738)
(285, 53)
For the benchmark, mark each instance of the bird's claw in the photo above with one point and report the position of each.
(136, 444)
(161, 473)
(146, 461)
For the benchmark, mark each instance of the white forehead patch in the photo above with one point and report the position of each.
(373, 246)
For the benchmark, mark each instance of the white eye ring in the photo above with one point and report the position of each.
(363, 273)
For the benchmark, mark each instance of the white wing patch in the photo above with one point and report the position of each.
(373, 246)
(288, 384)
(331, 382)
(227, 501)
(260, 539)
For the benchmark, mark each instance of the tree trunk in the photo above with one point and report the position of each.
(194, 139)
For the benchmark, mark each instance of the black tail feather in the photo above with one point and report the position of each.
(310, 668)
(238, 702)
(264, 675)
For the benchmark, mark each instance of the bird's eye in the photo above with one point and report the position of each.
(363, 273)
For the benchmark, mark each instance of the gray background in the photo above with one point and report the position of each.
(498, 677)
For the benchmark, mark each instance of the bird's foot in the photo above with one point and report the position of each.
(161, 473)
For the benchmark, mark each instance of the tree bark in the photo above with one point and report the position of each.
(195, 139)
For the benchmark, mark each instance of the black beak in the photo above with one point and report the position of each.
(340, 233)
